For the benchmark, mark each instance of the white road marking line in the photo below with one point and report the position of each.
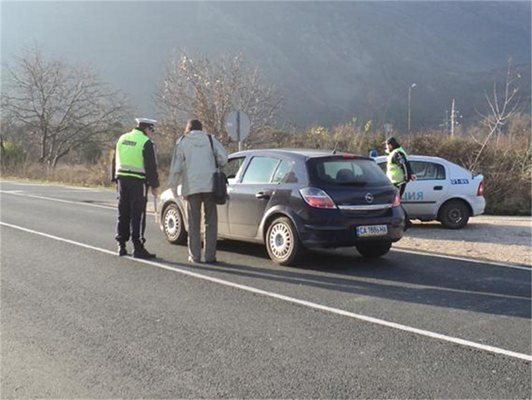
(57, 200)
(23, 183)
(400, 250)
(471, 260)
(316, 306)
(49, 185)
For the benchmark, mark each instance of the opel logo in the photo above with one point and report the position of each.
(369, 198)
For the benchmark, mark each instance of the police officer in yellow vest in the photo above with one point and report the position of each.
(134, 170)
(398, 168)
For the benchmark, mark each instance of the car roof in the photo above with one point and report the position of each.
(295, 153)
(416, 157)
(454, 168)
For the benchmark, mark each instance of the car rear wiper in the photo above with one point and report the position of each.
(352, 183)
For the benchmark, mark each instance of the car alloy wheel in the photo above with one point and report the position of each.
(282, 242)
(173, 225)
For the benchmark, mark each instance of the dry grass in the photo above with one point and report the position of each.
(506, 163)
(80, 175)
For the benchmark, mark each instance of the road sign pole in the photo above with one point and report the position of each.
(238, 126)
(238, 130)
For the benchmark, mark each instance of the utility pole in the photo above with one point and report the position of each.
(413, 85)
(455, 117)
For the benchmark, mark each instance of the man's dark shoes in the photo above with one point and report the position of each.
(122, 251)
(141, 252)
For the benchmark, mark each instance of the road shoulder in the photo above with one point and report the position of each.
(502, 239)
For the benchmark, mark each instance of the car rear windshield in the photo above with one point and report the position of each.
(341, 170)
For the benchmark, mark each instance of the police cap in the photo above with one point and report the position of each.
(146, 121)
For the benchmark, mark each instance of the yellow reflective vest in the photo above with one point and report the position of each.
(129, 154)
(395, 172)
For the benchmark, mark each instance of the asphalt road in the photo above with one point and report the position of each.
(77, 321)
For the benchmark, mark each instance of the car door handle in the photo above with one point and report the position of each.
(262, 195)
(438, 187)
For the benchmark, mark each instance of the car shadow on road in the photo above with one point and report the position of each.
(395, 280)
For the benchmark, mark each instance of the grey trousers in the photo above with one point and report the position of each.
(194, 204)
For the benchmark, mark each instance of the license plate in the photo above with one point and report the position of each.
(371, 230)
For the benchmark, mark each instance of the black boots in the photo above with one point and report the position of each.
(122, 251)
(141, 252)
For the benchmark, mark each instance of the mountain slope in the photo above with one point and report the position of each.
(337, 60)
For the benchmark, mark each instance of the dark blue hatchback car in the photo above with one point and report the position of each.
(292, 200)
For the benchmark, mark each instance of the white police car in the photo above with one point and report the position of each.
(443, 191)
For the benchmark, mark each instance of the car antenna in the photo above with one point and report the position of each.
(334, 150)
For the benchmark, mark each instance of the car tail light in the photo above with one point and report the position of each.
(315, 197)
(396, 200)
(480, 190)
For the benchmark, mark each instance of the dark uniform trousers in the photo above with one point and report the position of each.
(132, 200)
(401, 186)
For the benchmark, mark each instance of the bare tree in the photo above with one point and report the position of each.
(209, 90)
(501, 110)
(62, 107)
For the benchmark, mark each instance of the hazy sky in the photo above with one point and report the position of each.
(129, 43)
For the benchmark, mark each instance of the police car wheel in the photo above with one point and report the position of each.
(454, 214)
(173, 226)
(373, 250)
(282, 242)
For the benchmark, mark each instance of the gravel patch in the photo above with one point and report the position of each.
(493, 238)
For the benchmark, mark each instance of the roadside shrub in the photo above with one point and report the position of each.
(507, 176)
(74, 174)
(505, 161)
(12, 157)
(506, 166)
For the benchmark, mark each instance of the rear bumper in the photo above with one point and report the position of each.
(478, 205)
(313, 235)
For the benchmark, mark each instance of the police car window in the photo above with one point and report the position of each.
(232, 167)
(427, 170)
(284, 173)
(260, 170)
(440, 171)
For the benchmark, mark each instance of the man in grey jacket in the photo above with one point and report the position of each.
(193, 167)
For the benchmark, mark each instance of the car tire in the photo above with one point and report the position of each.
(454, 214)
(282, 242)
(173, 225)
(373, 250)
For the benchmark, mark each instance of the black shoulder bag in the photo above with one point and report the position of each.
(219, 180)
